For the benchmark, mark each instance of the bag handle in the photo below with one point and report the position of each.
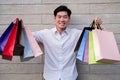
(98, 26)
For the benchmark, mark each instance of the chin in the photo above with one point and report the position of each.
(63, 26)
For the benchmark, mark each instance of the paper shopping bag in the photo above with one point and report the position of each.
(81, 36)
(34, 45)
(106, 49)
(19, 48)
(80, 54)
(9, 47)
(28, 53)
(86, 50)
(91, 54)
(4, 37)
(80, 47)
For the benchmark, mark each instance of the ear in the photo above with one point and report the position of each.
(69, 18)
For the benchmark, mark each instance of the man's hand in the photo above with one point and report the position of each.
(97, 20)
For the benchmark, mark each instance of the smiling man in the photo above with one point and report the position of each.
(59, 43)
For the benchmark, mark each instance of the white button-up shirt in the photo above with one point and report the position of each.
(60, 58)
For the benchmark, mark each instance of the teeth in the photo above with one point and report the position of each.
(62, 23)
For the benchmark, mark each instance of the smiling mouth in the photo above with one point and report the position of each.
(62, 24)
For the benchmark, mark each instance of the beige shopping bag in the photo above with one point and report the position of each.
(105, 46)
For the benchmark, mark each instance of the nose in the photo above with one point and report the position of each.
(61, 19)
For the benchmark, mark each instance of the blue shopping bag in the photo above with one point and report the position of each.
(80, 47)
(4, 37)
(27, 48)
(81, 50)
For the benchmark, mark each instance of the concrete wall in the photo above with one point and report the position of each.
(38, 14)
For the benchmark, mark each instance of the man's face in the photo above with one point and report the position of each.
(62, 19)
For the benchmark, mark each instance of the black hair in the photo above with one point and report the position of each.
(62, 8)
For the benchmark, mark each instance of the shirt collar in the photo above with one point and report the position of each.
(65, 31)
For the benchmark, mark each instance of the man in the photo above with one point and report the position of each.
(59, 43)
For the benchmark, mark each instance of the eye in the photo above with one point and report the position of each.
(59, 16)
(65, 16)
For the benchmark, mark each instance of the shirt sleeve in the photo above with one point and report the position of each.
(78, 34)
(38, 36)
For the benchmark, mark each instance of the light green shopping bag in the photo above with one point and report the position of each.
(91, 53)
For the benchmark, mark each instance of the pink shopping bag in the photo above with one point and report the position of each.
(86, 50)
(105, 46)
(91, 51)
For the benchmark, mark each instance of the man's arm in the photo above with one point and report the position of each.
(38, 36)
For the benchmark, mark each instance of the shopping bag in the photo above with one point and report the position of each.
(106, 49)
(34, 45)
(19, 48)
(28, 53)
(86, 50)
(4, 37)
(80, 47)
(80, 54)
(81, 36)
(91, 54)
(9, 47)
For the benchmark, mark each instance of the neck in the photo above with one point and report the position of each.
(60, 30)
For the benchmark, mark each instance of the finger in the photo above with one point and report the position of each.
(98, 21)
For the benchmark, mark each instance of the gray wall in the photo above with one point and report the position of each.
(38, 14)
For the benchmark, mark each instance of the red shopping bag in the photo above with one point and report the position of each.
(19, 48)
(9, 47)
(4, 37)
